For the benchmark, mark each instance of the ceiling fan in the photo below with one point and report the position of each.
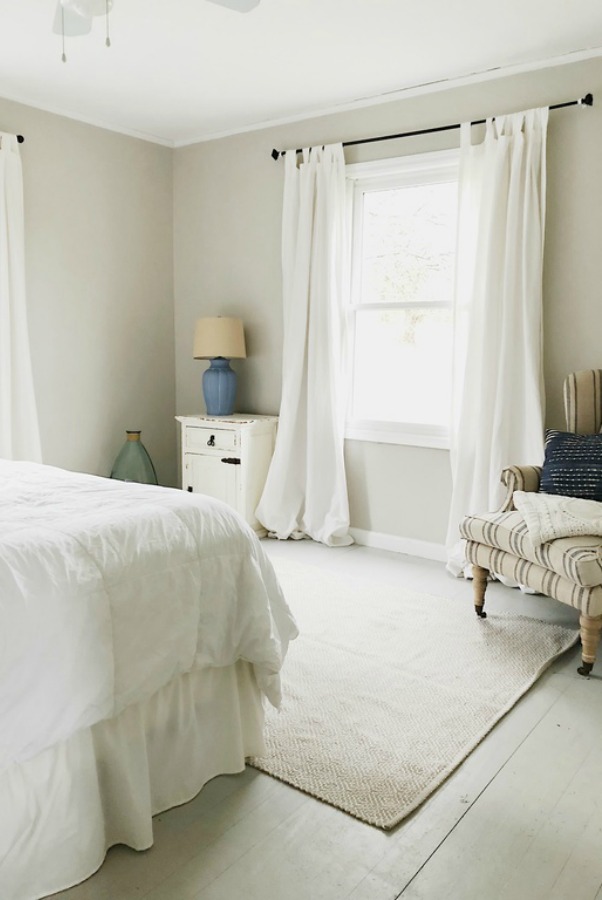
(74, 17)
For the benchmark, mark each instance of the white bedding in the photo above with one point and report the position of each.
(62, 809)
(108, 590)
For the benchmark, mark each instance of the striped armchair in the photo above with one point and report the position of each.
(566, 569)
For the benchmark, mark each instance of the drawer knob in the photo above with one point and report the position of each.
(211, 441)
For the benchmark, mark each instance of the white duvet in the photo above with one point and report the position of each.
(108, 590)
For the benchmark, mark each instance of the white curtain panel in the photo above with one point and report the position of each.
(19, 431)
(306, 490)
(498, 409)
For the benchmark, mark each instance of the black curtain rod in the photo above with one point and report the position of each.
(588, 100)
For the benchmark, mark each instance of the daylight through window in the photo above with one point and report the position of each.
(400, 323)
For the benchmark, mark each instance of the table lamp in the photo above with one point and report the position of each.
(219, 339)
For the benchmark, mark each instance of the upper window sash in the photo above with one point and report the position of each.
(436, 167)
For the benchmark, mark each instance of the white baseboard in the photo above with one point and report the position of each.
(380, 541)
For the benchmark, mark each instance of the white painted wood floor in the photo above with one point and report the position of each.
(521, 819)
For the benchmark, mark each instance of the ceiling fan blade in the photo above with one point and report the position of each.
(238, 5)
(74, 23)
(88, 8)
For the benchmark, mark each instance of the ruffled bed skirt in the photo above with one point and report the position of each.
(61, 810)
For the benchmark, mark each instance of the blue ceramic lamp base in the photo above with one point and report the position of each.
(219, 387)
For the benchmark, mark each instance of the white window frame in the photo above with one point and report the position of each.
(435, 167)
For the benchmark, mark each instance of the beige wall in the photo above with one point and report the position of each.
(102, 287)
(99, 258)
(228, 196)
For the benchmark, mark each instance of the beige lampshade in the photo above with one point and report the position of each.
(219, 336)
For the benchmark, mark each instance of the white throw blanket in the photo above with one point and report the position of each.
(551, 516)
(109, 590)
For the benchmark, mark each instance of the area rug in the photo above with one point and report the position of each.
(387, 690)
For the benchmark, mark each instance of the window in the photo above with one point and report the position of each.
(400, 319)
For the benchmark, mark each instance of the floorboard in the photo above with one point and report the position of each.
(539, 816)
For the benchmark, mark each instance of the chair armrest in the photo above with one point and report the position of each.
(519, 478)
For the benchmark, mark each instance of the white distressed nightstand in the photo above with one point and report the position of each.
(228, 458)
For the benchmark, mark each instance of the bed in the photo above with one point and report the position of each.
(141, 631)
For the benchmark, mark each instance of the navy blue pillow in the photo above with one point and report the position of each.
(572, 465)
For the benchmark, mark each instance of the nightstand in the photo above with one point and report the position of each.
(228, 458)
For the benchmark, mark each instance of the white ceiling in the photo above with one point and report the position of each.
(180, 71)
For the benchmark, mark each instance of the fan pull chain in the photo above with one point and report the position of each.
(108, 37)
(64, 55)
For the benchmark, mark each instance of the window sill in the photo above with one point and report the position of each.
(394, 433)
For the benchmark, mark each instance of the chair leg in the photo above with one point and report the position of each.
(479, 580)
(590, 638)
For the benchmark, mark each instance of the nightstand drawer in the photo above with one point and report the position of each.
(204, 440)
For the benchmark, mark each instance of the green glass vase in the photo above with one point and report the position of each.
(133, 462)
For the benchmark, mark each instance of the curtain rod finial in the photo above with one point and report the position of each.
(588, 100)
(275, 154)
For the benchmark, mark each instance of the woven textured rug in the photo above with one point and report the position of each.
(387, 690)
